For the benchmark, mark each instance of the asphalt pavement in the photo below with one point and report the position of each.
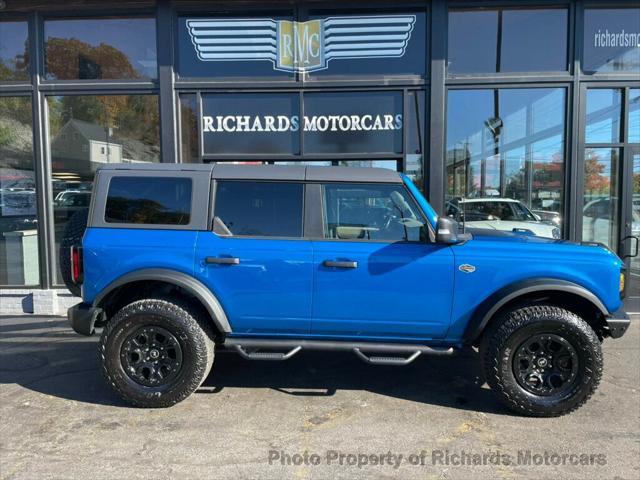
(317, 415)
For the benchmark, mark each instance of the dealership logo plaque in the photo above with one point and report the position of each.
(301, 46)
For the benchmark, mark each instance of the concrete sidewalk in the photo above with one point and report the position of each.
(252, 419)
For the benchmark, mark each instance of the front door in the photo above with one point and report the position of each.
(255, 260)
(376, 273)
(632, 228)
(611, 192)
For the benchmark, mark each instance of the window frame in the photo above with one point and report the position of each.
(303, 210)
(199, 188)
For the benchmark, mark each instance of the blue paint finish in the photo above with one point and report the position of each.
(110, 253)
(399, 289)
(269, 291)
(504, 260)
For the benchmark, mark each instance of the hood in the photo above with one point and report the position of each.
(483, 233)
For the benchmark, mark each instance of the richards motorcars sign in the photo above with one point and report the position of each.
(316, 123)
(329, 122)
(300, 46)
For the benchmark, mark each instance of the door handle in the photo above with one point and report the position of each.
(222, 260)
(340, 264)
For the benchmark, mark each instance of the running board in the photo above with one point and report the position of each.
(392, 353)
(387, 360)
(274, 356)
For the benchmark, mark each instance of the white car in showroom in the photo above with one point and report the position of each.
(497, 213)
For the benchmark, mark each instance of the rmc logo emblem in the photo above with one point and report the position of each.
(300, 46)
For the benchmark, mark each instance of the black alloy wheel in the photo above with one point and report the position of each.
(546, 364)
(151, 356)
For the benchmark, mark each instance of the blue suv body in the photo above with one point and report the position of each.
(178, 260)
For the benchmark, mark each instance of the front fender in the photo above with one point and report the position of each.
(483, 313)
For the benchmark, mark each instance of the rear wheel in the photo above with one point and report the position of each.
(156, 352)
(542, 360)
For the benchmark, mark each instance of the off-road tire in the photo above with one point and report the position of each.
(72, 235)
(512, 329)
(193, 332)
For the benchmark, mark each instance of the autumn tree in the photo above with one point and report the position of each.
(72, 59)
(595, 181)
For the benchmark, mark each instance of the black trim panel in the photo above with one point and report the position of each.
(197, 289)
(83, 317)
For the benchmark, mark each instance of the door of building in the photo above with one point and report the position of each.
(610, 151)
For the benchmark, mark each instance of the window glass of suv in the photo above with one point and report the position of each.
(258, 209)
(371, 212)
(149, 200)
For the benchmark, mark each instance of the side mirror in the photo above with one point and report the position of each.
(447, 232)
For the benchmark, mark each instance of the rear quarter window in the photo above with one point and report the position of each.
(149, 201)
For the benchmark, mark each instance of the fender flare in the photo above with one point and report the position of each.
(498, 299)
(179, 279)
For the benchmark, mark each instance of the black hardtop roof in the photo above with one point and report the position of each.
(269, 172)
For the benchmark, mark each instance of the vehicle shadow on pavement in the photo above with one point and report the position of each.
(45, 356)
(454, 382)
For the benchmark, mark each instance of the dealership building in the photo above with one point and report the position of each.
(478, 102)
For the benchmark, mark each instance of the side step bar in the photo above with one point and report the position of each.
(277, 356)
(392, 354)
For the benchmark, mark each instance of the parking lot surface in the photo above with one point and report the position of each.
(314, 416)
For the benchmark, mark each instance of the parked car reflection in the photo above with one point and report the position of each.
(497, 213)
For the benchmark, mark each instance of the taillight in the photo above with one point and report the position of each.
(76, 264)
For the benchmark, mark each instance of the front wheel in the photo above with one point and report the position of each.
(156, 352)
(542, 360)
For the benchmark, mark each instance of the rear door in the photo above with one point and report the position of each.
(377, 275)
(255, 259)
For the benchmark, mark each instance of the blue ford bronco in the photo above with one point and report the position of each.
(176, 261)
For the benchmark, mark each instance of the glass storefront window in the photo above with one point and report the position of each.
(189, 151)
(388, 164)
(611, 40)
(100, 48)
(87, 131)
(14, 45)
(523, 40)
(634, 115)
(18, 223)
(415, 125)
(604, 107)
(600, 214)
(507, 144)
